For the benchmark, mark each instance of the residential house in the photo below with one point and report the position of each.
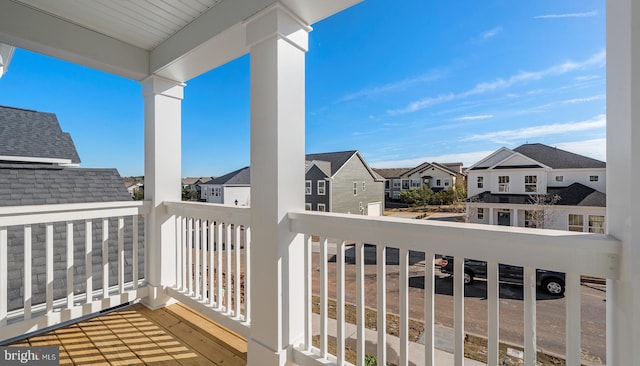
(195, 183)
(392, 181)
(230, 189)
(335, 182)
(343, 182)
(276, 320)
(538, 185)
(437, 176)
(39, 166)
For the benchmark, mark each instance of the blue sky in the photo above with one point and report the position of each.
(417, 81)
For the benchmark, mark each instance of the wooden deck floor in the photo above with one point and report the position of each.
(135, 335)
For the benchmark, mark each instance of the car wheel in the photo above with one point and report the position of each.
(468, 277)
(553, 286)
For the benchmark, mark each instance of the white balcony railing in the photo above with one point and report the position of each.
(575, 254)
(62, 262)
(212, 262)
(212, 266)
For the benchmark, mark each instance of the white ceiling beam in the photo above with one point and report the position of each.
(30, 29)
(218, 36)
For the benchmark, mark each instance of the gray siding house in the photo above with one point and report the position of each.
(351, 186)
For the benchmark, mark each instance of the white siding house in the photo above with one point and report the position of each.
(230, 189)
(537, 185)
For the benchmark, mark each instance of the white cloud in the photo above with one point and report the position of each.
(467, 159)
(490, 33)
(475, 118)
(584, 100)
(587, 14)
(507, 136)
(596, 60)
(390, 87)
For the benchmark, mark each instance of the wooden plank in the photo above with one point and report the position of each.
(234, 342)
(308, 292)
(199, 341)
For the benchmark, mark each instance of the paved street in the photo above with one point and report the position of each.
(550, 310)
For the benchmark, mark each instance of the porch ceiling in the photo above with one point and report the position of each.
(176, 39)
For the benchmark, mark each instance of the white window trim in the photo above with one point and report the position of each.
(534, 184)
(355, 188)
(363, 186)
(569, 225)
(307, 206)
(593, 178)
(324, 188)
(480, 182)
(308, 188)
(503, 187)
(324, 207)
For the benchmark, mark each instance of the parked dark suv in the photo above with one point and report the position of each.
(551, 282)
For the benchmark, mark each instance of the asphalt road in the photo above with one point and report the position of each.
(550, 310)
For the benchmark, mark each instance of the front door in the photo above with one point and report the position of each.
(504, 218)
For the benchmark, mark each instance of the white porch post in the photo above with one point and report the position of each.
(623, 173)
(491, 216)
(514, 219)
(277, 41)
(162, 171)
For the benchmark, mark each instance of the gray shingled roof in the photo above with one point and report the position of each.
(241, 176)
(337, 159)
(557, 158)
(574, 195)
(26, 133)
(391, 173)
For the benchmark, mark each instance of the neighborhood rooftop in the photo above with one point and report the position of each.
(31, 134)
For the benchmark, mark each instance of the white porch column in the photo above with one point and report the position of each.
(492, 220)
(514, 218)
(162, 171)
(277, 41)
(623, 173)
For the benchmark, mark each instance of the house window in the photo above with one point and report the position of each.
(530, 218)
(559, 178)
(405, 184)
(596, 224)
(530, 183)
(321, 207)
(438, 182)
(386, 184)
(503, 183)
(363, 186)
(593, 178)
(307, 187)
(355, 188)
(480, 181)
(321, 186)
(446, 182)
(307, 206)
(576, 223)
(396, 183)
(415, 183)
(480, 213)
(396, 195)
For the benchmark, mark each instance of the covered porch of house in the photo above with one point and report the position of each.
(250, 269)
